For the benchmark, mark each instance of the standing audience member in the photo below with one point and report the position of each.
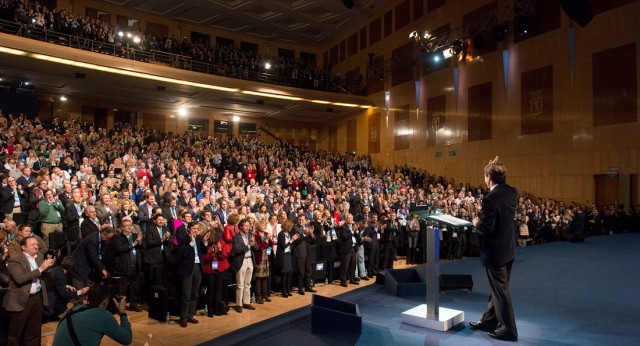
(190, 251)
(24, 231)
(215, 267)
(123, 258)
(243, 264)
(302, 253)
(347, 252)
(24, 299)
(283, 257)
(88, 266)
(264, 242)
(51, 216)
(154, 242)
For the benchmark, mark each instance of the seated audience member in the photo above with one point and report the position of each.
(92, 321)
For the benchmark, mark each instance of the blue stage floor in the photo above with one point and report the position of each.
(564, 294)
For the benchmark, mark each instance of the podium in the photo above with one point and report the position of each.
(431, 315)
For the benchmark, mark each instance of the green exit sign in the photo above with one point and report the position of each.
(438, 154)
(452, 153)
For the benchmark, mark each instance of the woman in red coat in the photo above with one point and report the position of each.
(215, 264)
(262, 270)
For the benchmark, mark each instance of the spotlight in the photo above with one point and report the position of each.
(438, 55)
(120, 34)
(129, 35)
(182, 111)
(414, 35)
(426, 35)
(136, 39)
(267, 65)
(522, 25)
(63, 98)
(236, 118)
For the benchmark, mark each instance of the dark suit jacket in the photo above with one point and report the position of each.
(9, 200)
(88, 227)
(185, 252)
(72, 221)
(238, 249)
(373, 234)
(497, 226)
(87, 259)
(300, 246)
(119, 257)
(345, 242)
(57, 291)
(153, 244)
(21, 278)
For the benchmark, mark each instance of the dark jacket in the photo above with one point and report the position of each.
(120, 257)
(345, 240)
(185, 252)
(72, 222)
(86, 256)
(497, 227)
(8, 200)
(238, 250)
(88, 227)
(153, 244)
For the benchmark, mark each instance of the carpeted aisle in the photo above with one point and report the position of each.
(563, 293)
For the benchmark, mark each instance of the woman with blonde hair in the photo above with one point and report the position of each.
(262, 255)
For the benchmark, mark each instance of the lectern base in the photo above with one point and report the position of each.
(447, 318)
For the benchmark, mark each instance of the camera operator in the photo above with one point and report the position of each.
(86, 324)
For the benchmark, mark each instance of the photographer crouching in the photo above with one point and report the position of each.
(86, 324)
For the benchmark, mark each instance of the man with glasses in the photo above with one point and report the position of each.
(51, 216)
(15, 201)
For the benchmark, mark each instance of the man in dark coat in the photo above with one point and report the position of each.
(346, 252)
(122, 258)
(497, 236)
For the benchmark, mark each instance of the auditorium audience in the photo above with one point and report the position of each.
(253, 193)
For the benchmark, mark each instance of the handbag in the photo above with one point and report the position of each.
(223, 307)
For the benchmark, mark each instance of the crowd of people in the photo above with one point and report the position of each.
(222, 59)
(136, 208)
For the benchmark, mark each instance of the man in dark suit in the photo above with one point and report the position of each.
(154, 241)
(389, 240)
(243, 264)
(346, 251)
(15, 201)
(302, 254)
(90, 224)
(371, 242)
(88, 258)
(24, 299)
(496, 229)
(170, 211)
(122, 258)
(73, 217)
(190, 251)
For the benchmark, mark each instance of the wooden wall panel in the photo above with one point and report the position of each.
(434, 4)
(615, 85)
(537, 100)
(352, 46)
(480, 111)
(402, 128)
(343, 50)
(363, 38)
(388, 21)
(402, 64)
(603, 6)
(436, 108)
(352, 135)
(333, 55)
(154, 121)
(418, 9)
(333, 139)
(375, 31)
(403, 14)
(374, 133)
